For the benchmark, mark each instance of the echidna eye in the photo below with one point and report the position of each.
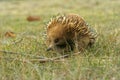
(56, 40)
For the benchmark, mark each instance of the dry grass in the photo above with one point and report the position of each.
(101, 62)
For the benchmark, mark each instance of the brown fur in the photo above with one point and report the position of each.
(69, 33)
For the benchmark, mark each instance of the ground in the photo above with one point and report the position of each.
(101, 62)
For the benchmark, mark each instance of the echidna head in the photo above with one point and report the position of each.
(56, 44)
(59, 40)
(60, 45)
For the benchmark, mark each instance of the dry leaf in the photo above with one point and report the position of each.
(33, 18)
(10, 34)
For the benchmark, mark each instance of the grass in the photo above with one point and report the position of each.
(101, 62)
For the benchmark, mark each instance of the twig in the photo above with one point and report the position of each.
(66, 56)
(55, 59)
(8, 52)
(46, 60)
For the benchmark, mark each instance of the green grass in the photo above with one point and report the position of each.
(101, 62)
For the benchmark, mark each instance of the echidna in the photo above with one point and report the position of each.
(69, 33)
